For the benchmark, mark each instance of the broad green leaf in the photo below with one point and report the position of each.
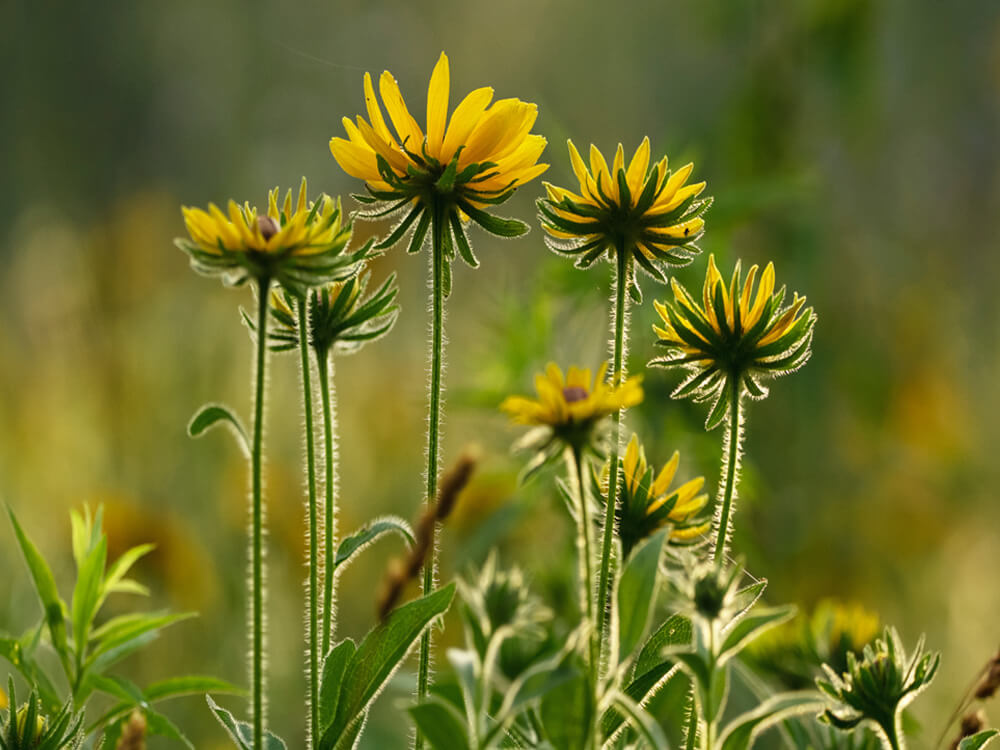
(440, 724)
(380, 654)
(45, 586)
(743, 730)
(976, 741)
(567, 713)
(331, 680)
(365, 536)
(676, 631)
(87, 592)
(637, 592)
(718, 690)
(751, 626)
(210, 415)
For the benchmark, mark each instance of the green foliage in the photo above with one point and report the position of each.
(87, 649)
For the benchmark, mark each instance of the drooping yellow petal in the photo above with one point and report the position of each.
(437, 106)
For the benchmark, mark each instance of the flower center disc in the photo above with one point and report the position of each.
(574, 393)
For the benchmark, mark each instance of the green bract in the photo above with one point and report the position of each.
(879, 686)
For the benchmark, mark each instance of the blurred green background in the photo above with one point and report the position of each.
(853, 143)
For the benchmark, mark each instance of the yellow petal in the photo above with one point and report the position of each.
(666, 475)
(437, 106)
(764, 292)
(375, 113)
(491, 132)
(464, 120)
(410, 135)
(635, 177)
(357, 162)
(599, 170)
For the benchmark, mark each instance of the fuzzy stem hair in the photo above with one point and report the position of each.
(324, 366)
(439, 229)
(257, 530)
(312, 585)
(732, 451)
(619, 344)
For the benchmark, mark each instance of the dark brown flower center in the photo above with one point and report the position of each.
(268, 226)
(574, 393)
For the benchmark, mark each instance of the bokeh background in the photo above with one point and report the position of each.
(853, 143)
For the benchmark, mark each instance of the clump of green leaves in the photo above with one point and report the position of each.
(88, 647)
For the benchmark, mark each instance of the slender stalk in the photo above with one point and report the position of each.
(313, 616)
(574, 467)
(734, 443)
(257, 534)
(324, 367)
(603, 592)
(439, 227)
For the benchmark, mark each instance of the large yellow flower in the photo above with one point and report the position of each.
(648, 502)
(478, 158)
(568, 409)
(733, 339)
(647, 213)
(298, 244)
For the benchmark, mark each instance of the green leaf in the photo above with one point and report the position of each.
(115, 581)
(120, 688)
(976, 741)
(676, 631)
(567, 713)
(158, 724)
(123, 635)
(45, 585)
(440, 724)
(174, 687)
(379, 655)
(332, 680)
(365, 536)
(240, 732)
(751, 626)
(640, 720)
(637, 592)
(743, 730)
(210, 415)
(494, 224)
(87, 592)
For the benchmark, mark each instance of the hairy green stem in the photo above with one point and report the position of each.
(574, 467)
(257, 534)
(313, 616)
(734, 441)
(324, 366)
(603, 591)
(439, 227)
(692, 727)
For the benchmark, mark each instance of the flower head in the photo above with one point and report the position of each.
(341, 318)
(733, 337)
(569, 409)
(648, 502)
(298, 244)
(879, 686)
(648, 213)
(458, 166)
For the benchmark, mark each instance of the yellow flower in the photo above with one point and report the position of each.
(456, 168)
(638, 212)
(299, 245)
(648, 503)
(734, 339)
(568, 409)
